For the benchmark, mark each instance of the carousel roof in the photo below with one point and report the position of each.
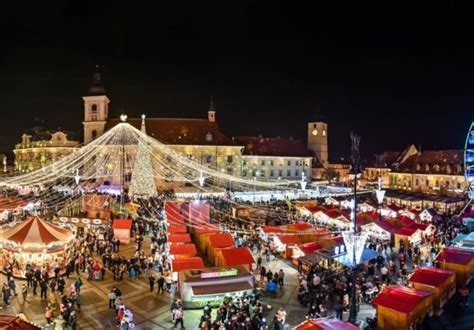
(36, 230)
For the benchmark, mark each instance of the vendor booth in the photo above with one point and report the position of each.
(428, 215)
(399, 307)
(301, 250)
(459, 260)
(179, 265)
(122, 229)
(200, 236)
(235, 257)
(181, 251)
(214, 285)
(215, 242)
(441, 282)
(177, 229)
(96, 206)
(327, 323)
(464, 241)
(179, 238)
(284, 242)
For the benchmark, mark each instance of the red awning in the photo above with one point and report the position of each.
(329, 323)
(122, 224)
(272, 230)
(187, 263)
(455, 256)
(179, 238)
(221, 240)
(289, 239)
(300, 226)
(434, 277)
(177, 229)
(309, 247)
(183, 249)
(400, 298)
(237, 256)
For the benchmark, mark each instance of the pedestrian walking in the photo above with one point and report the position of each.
(24, 292)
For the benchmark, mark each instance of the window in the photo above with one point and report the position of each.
(459, 185)
(427, 183)
(244, 172)
(280, 173)
(94, 113)
(244, 162)
(230, 158)
(289, 163)
(447, 184)
(94, 134)
(437, 183)
(324, 132)
(207, 158)
(297, 173)
(418, 167)
(271, 173)
(190, 157)
(208, 136)
(288, 173)
(263, 162)
(128, 177)
(416, 182)
(271, 163)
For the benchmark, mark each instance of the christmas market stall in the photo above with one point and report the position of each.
(35, 241)
(180, 251)
(464, 241)
(301, 250)
(399, 307)
(235, 257)
(122, 229)
(428, 215)
(200, 235)
(215, 242)
(459, 260)
(327, 323)
(214, 285)
(441, 282)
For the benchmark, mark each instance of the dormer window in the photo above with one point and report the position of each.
(448, 169)
(427, 168)
(418, 167)
(436, 167)
(208, 136)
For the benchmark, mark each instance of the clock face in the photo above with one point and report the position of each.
(315, 132)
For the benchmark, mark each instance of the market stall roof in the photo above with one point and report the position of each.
(271, 230)
(313, 208)
(400, 298)
(36, 230)
(311, 258)
(455, 256)
(434, 277)
(227, 287)
(237, 256)
(177, 229)
(289, 239)
(122, 224)
(393, 207)
(206, 230)
(187, 263)
(300, 226)
(183, 249)
(221, 240)
(10, 322)
(179, 238)
(406, 231)
(330, 323)
(309, 247)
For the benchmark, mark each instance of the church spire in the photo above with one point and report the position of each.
(143, 128)
(211, 113)
(96, 87)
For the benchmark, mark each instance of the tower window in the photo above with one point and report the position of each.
(94, 134)
(314, 125)
(324, 132)
(94, 114)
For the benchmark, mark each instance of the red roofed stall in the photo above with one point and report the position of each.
(179, 238)
(177, 229)
(121, 229)
(215, 242)
(302, 250)
(329, 323)
(439, 281)
(181, 251)
(400, 307)
(459, 260)
(200, 236)
(235, 257)
(187, 263)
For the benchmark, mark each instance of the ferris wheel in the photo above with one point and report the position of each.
(469, 164)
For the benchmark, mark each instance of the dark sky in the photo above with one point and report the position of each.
(395, 75)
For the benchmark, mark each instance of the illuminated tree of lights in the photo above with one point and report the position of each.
(143, 182)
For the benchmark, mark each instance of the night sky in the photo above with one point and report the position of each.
(395, 75)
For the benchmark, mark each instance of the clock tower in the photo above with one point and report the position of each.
(318, 141)
(96, 109)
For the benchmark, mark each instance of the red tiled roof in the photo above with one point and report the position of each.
(237, 256)
(183, 249)
(273, 146)
(400, 298)
(183, 131)
(187, 263)
(443, 158)
(434, 277)
(455, 256)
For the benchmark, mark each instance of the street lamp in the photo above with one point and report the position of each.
(355, 241)
(257, 173)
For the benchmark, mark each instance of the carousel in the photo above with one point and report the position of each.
(34, 241)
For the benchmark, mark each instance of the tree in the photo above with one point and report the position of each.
(143, 182)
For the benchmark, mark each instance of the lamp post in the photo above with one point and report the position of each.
(257, 173)
(355, 242)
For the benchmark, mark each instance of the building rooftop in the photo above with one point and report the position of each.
(263, 146)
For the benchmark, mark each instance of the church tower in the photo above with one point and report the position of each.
(318, 141)
(96, 109)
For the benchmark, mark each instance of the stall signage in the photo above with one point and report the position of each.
(222, 273)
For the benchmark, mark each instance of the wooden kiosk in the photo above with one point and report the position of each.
(459, 260)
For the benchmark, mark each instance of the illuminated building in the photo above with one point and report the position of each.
(39, 148)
